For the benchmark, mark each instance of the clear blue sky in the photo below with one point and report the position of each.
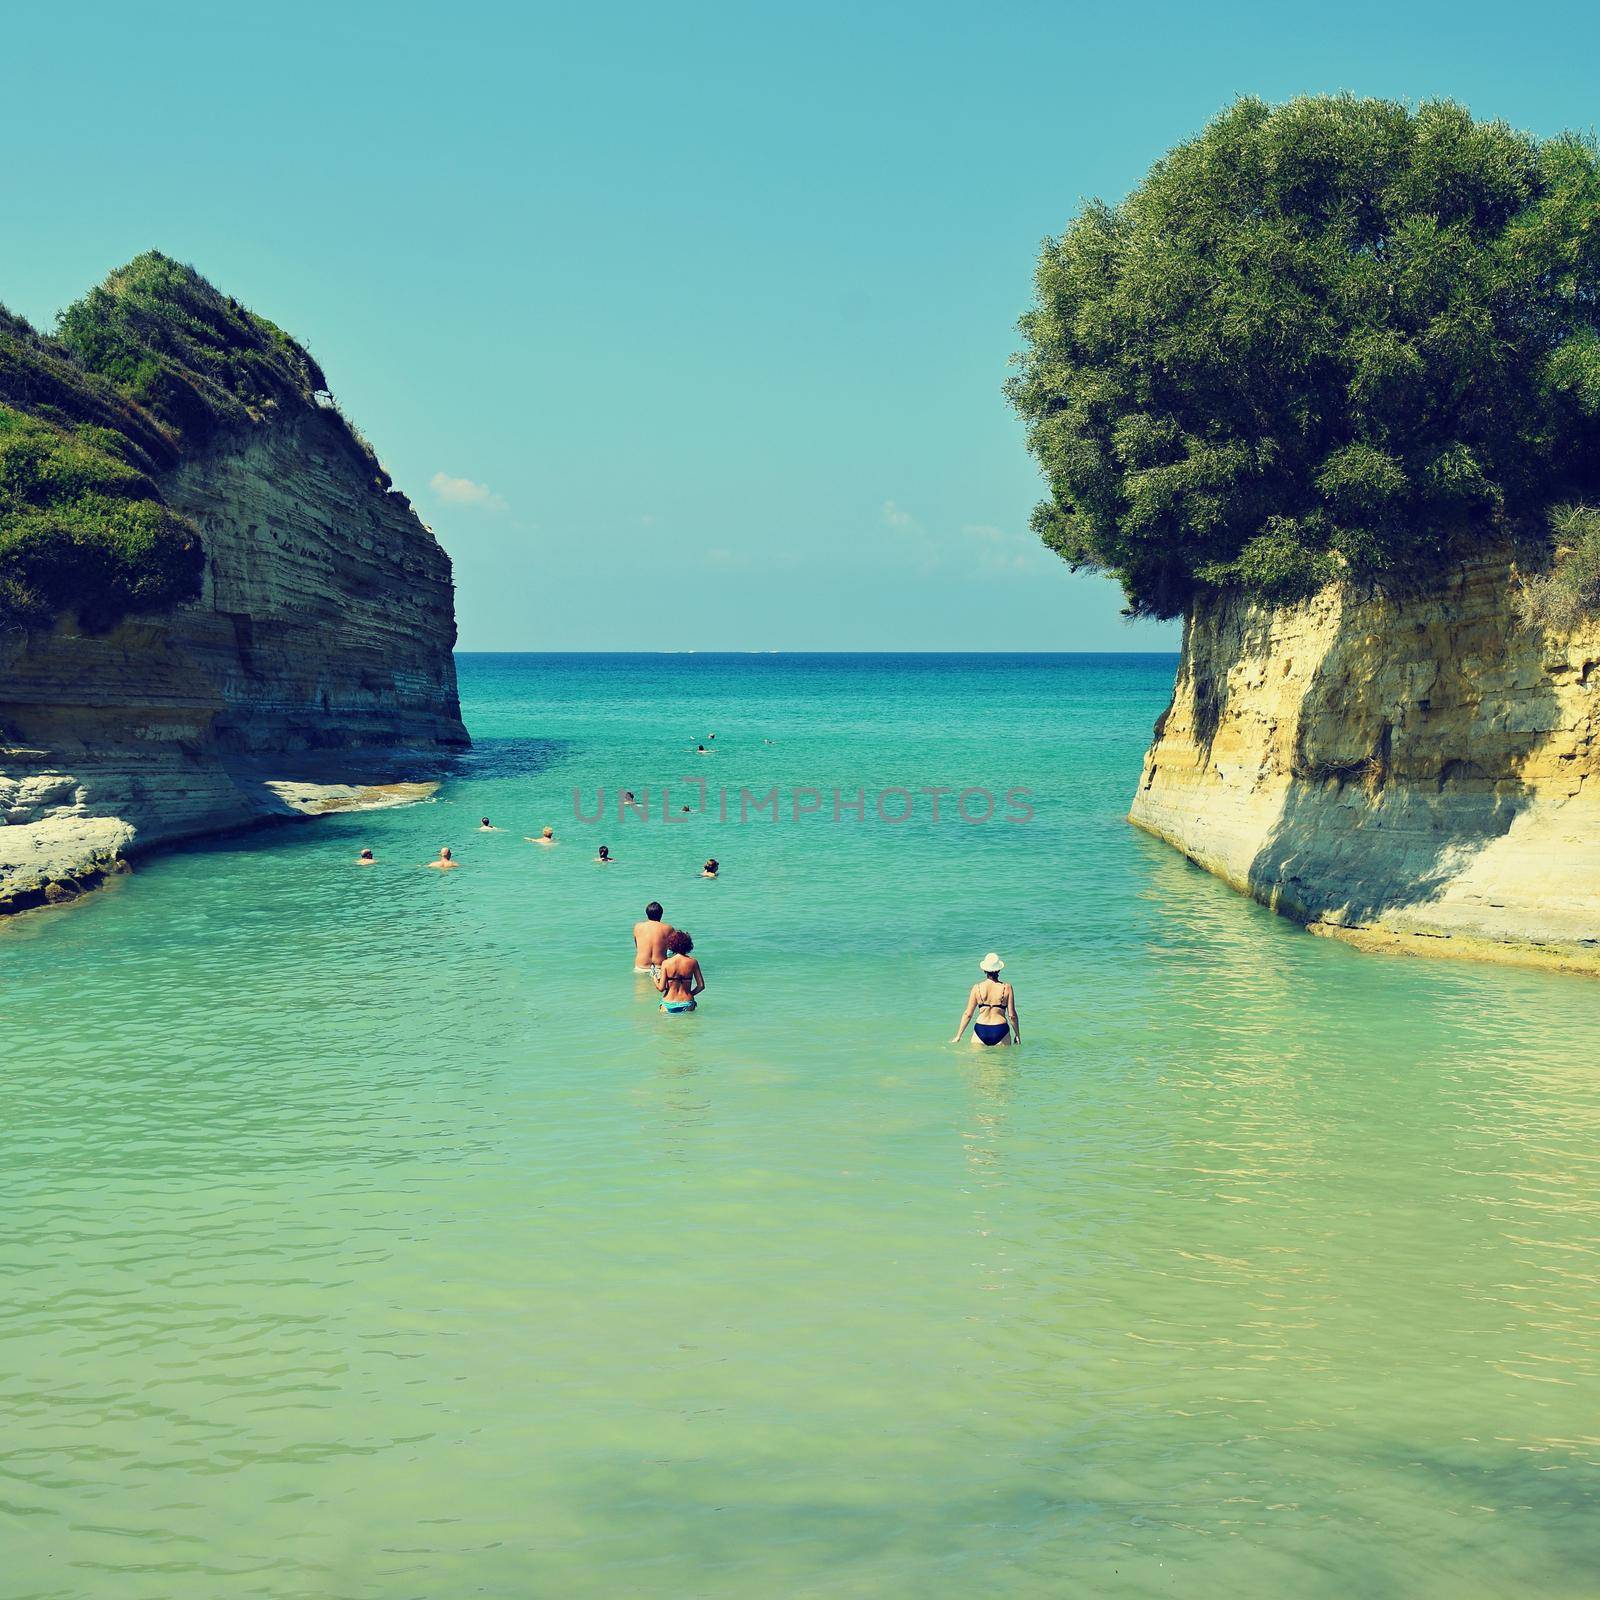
(685, 325)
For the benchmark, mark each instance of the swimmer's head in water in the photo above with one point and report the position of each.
(605, 852)
(547, 833)
(711, 864)
(484, 823)
(679, 943)
(366, 855)
(699, 747)
(444, 853)
(653, 911)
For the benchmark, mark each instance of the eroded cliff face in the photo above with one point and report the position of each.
(1420, 772)
(314, 670)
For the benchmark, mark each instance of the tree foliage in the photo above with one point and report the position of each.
(1334, 337)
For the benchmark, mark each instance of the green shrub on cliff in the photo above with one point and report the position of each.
(82, 528)
(161, 334)
(1570, 590)
(1337, 336)
(151, 365)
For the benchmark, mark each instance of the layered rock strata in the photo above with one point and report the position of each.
(315, 667)
(1417, 771)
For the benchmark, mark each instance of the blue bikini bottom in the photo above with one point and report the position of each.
(677, 1005)
(991, 1032)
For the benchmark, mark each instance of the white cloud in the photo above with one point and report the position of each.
(978, 547)
(999, 551)
(464, 492)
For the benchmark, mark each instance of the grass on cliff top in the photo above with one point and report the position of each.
(153, 364)
(195, 359)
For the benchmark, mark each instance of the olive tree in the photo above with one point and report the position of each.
(1337, 336)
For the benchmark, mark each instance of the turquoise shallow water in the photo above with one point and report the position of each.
(368, 1233)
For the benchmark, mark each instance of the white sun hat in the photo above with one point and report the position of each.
(990, 963)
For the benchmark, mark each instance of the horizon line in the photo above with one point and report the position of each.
(460, 651)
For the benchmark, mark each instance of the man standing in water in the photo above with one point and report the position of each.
(446, 861)
(650, 939)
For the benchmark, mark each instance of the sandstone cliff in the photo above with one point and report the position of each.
(1419, 772)
(313, 670)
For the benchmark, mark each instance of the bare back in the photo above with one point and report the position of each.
(650, 943)
(681, 978)
(993, 997)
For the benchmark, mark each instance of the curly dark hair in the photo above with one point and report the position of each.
(679, 943)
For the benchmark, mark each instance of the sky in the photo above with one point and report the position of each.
(685, 326)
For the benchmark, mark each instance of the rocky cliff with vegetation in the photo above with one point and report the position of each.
(1420, 772)
(1327, 385)
(214, 606)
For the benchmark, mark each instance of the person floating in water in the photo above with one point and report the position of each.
(605, 857)
(680, 978)
(996, 1005)
(700, 750)
(709, 870)
(486, 826)
(650, 940)
(446, 861)
(547, 835)
(366, 859)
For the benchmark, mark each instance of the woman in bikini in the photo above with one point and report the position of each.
(996, 1005)
(679, 977)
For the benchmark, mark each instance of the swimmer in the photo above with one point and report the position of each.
(700, 750)
(366, 859)
(605, 857)
(650, 940)
(680, 978)
(446, 861)
(996, 1005)
(488, 827)
(627, 797)
(709, 870)
(547, 835)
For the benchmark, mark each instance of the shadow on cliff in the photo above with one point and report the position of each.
(1381, 814)
(1237, 632)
